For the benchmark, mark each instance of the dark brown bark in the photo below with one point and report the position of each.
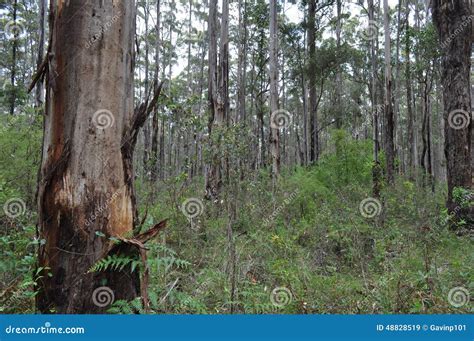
(455, 36)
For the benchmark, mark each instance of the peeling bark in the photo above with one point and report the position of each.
(85, 177)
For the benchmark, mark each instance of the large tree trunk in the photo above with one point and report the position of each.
(274, 116)
(456, 43)
(85, 189)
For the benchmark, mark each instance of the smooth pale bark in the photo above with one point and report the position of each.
(389, 122)
(146, 127)
(155, 122)
(398, 141)
(218, 95)
(449, 17)
(339, 110)
(242, 62)
(408, 85)
(313, 119)
(13, 65)
(273, 60)
(86, 177)
(376, 172)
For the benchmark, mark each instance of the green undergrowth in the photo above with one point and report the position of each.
(299, 246)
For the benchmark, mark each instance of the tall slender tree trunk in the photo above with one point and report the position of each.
(389, 123)
(86, 189)
(146, 127)
(314, 138)
(274, 124)
(449, 17)
(398, 148)
(408, 85)
(218, 95)
(155, 121)
(13, 65)
(376, 169)
(39, 92)
(339, 111)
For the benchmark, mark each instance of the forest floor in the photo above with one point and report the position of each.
(314, 243)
